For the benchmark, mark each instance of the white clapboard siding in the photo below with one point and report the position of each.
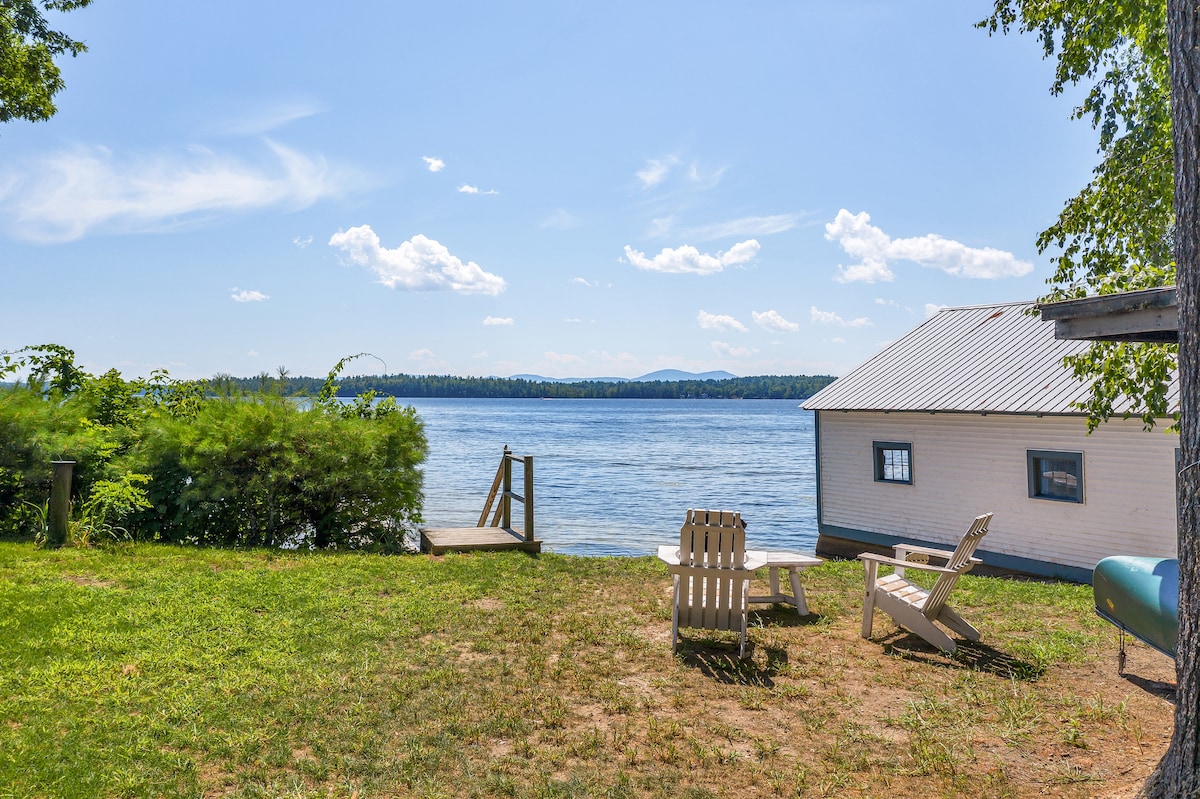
(966, 464)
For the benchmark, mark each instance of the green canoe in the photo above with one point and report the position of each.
(1141, 596)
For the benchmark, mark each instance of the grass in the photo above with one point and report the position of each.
(144, 670)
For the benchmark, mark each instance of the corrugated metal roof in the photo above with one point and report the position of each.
(980, 359)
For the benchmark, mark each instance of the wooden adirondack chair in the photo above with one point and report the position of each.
(913, 607)
(712, 583)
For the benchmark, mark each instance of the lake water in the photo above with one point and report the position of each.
(616, 477)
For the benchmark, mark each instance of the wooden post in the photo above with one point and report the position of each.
(506, 497)
(59, 515)
(528, 497)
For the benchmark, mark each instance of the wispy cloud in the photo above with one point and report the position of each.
(932, 308)
(888, 303)
(269, 117)
(423, 354)
(746, 226)
(497, 320)
(72, 193)
(874, 249)
(302, 243)
(466, 188)
(831, 318)
(688, 260)
(433, 164)
(711, 321)
(772, 320)
(729, 351)
(561, 219)
(656, 170)
(561, 358)
(244, 295)
(419, 264)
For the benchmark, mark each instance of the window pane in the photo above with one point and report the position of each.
(1057, 478)
(896, 465)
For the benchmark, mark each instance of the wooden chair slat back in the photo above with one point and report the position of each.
(715, 539)
(960, 562)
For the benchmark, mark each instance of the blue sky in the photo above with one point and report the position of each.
(563, 189)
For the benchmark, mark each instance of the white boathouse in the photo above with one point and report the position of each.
(970, 412)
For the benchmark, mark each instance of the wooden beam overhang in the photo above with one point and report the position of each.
(1150, 315)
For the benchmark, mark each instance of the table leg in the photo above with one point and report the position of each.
(798, 592)
(774, 580)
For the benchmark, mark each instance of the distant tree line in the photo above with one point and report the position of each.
(789, 387)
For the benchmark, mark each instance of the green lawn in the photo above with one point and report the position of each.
(147, 670)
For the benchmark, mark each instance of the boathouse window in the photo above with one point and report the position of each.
(1055, 475)
(893, 462)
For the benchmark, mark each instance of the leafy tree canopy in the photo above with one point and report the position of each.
(29, 78)
(1116, 234)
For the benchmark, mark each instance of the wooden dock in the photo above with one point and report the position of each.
(499, 534)
(465, 539)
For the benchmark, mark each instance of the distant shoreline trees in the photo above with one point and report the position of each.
(787, 387)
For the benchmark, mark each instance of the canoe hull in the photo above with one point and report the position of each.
(1141, 596)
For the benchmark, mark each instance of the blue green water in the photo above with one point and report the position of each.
(615, 477)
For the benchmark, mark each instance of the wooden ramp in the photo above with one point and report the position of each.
(465, 539)
(499, 534)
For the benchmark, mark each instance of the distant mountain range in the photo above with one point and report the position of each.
(662, 375)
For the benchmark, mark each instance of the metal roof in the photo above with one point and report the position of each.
(979, 359)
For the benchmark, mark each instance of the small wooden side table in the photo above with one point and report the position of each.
(793, 562)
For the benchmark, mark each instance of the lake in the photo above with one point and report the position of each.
(616, 477)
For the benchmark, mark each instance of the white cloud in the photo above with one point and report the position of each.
(302, 243)
(831, 318)
(620, 359)
(710, 321)
(244, 295)
(466, 188)
(746, 226)
(252, 353)
(729, 351)
(771, 320)
(419, 264)
(496, 320)
(561, 219)
(434, 164)
(656, 170)
(838, 340)
(562, 358)
(423, 354)
(574, 320)
(873, 248)
(932, 308)
(888, 303)
(69, 194)
(688, 260)
(482, 354)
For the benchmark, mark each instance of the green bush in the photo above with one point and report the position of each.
(205, 463)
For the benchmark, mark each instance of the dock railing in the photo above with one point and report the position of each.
(502, 489)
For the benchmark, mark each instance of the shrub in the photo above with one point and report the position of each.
(205, 462)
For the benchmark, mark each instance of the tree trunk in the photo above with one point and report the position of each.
(1178, 774)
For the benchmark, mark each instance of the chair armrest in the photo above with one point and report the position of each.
(904, 564)
(940, 553)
